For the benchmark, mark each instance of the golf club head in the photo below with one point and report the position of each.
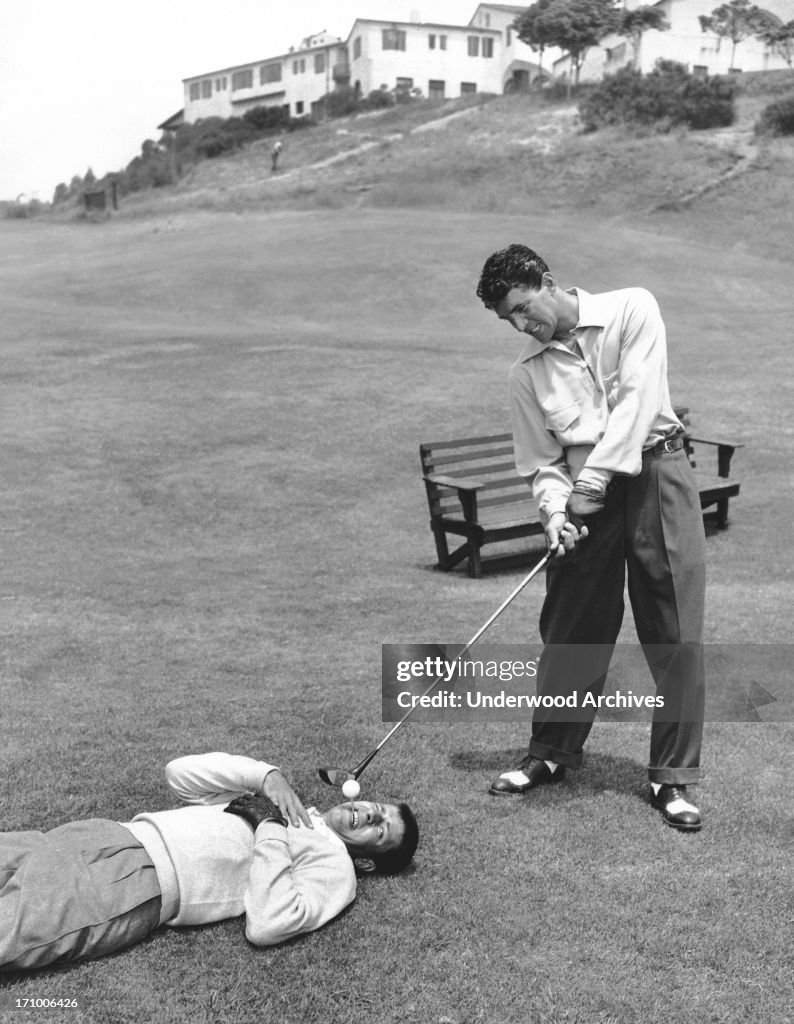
(335, 776)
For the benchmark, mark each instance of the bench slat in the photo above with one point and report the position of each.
(466, 458)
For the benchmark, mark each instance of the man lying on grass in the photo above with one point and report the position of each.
(246, 845)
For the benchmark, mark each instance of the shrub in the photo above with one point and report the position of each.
(341, 102)
(378, 99)
(267, 119)
(777, 118)
(666, 97)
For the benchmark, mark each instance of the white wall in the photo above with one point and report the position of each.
(293, 88)
(376, 67)
(684, 42)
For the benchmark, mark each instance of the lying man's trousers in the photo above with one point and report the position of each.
(80, 891)
(652, 527)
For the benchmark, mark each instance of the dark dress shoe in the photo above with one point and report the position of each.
(677, 809)
(530, 773)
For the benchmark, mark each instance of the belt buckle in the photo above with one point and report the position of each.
(668, 445)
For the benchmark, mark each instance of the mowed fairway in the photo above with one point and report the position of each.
(212, 519)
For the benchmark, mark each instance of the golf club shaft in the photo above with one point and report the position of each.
(511, 597)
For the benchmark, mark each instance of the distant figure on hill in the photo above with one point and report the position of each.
(275, 153)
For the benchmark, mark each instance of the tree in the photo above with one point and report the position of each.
(736, 21)
(576, 25)
(530, 29)
(777, 37)
(632, 24)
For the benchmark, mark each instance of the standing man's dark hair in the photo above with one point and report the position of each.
(597, 440)
(515, 265)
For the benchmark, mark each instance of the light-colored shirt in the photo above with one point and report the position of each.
(587, 406)
(213, 866)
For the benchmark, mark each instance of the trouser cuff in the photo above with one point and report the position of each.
(546, 753)
(674, 776)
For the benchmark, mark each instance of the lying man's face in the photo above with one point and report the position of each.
(366, 827)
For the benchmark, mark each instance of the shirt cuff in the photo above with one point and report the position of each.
(556, 503)
(271, 830)
(595, 477)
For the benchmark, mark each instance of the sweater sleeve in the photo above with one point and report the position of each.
(215, 778)
(290, 895)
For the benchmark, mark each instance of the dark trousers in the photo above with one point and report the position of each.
(652, 529)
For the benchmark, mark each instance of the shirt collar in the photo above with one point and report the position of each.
(592, 313)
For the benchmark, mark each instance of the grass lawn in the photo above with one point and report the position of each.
(212, 519)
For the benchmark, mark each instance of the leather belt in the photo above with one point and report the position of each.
(671, 444)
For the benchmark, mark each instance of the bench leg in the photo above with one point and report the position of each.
(475, 564)
(442, 550)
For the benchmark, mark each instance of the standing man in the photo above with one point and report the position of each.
(275, 153)
(598, 442)
(244, 845)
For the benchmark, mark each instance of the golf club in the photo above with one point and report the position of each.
(337, 776)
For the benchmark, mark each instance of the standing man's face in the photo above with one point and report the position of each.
(531, 310)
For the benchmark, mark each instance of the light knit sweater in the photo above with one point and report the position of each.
(212, 866)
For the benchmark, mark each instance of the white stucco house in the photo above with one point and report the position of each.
(294, 80)
(438, 60)
(442, 61)
(684, 41)
(521, 65)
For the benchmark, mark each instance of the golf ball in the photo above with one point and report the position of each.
(351, 789)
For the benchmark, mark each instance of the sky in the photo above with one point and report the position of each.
(83, 84)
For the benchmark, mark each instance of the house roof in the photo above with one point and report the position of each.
(294, 54)
(391, 23)
(173, 121)
(510, 8)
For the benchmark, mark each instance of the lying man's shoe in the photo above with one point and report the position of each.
(677, 809)
(530, 773)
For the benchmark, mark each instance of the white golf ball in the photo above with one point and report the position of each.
(351, 789)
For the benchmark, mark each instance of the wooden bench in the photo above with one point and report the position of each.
(474, 492)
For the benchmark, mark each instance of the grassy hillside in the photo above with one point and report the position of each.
(511, 154)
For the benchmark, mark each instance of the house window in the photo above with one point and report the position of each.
(404, 86)
(356, 47)
(487, 47)
(393, 38)
(269, 73)
(195, 90)
(467, 87)
(299, 107)
(206, 89)
(319, 63)
(700, 71)
(242, 79)
(435, 89)
(431, 41)
(474, 46)
(442, 42)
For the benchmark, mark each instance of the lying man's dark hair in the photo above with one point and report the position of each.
(394, 861)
